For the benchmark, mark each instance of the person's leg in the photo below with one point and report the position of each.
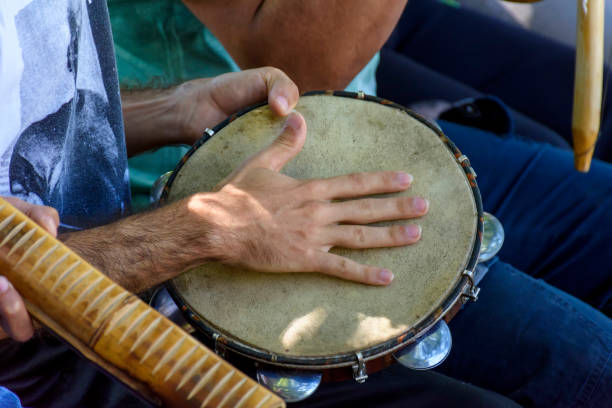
(45, 373)
(404, 81)
(532, 74)
(523, 339)
(399, 387)
(558, 221)
(531, 342)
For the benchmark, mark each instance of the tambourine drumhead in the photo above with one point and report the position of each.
(307, 314)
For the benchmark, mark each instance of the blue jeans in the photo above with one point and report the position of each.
(437, 52)
(558, 221)
(532, 342)
(527, 337)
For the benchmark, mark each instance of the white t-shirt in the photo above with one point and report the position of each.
(61, 132)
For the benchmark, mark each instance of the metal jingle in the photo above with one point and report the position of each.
(291, 385)
(492, 237)
(163, 303)
(158, 187)
(428, 351)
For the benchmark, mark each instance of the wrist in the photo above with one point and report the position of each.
(145, 249)
(191, 110)
(151, 119)
(207, 238)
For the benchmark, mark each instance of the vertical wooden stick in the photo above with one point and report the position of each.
(588, 80)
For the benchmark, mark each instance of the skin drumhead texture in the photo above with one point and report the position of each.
(307, 314)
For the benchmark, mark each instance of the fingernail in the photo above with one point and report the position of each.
(412, 231)
(293, 121)
(282, 103)
(4, 284)
(403, 179)
(385, 276)
(420, 204)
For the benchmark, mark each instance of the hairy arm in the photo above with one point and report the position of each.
(320, 44)
(149, 119)
(146, 249)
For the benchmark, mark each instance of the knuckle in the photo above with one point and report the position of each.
(314, 209)
(343, 266)
(358, 180)
(273, 71)
(359, 234)
(272, 74)
(370, 274)
(397, 235)
(11, 311)
(310, 233)
(44, 213)
(265, 72)
(388, 179)
(52, 212)
(394, 234)
(313, 188)
(365, 206)
(404, 205)
(311, 255)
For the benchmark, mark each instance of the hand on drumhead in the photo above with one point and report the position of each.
(14, 317)
(270, 222)
(206, 102)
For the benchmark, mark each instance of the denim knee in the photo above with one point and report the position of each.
(532, 342)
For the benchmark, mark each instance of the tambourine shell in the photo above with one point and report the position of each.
(303, 319)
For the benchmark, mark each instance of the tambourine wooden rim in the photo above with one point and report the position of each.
(460, 290)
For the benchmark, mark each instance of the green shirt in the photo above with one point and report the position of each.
(159, 43)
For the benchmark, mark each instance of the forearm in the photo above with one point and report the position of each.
(146, 249)
(152, 119)
(182, 113)
(320, 44)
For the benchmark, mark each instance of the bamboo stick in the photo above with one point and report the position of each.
(588, 81)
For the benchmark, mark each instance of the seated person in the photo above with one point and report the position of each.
(44, 373)
(72, 108)
(526, 185)
(456, 52)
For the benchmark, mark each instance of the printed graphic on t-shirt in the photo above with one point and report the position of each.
(59, 147)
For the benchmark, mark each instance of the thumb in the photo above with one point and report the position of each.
(284, 148)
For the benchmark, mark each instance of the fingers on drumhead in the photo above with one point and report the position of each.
(362, 237)
(13, 314)
(365, 183)
(344, 268)
(369, 210)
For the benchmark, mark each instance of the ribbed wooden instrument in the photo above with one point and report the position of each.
(114, 328)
